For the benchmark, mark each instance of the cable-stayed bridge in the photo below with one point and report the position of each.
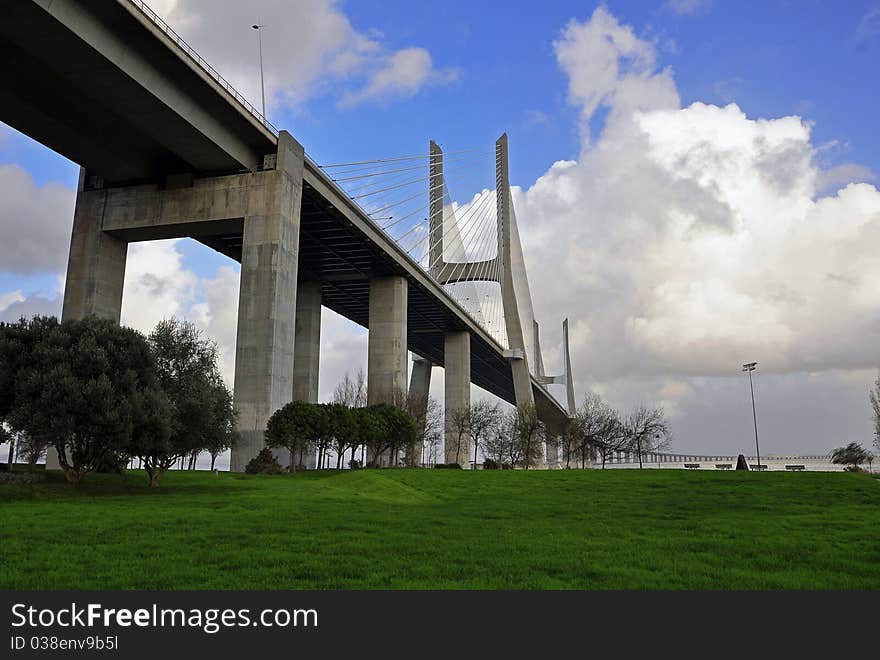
(422, 249)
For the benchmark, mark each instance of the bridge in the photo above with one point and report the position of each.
(169, 149)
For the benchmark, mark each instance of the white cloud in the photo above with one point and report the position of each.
(695, 240)
(9, 298)
(401, 75)
(689, 7)
(309, 47)
(36, 223)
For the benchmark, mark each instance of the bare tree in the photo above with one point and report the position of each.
(527, 430)
(428, 418)
(874, 396)
(500, 447)
(353, 394)
(457, 423)
(597, 428)
(485, 420)
(646, 429)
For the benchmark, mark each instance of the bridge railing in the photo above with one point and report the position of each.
(198, 59)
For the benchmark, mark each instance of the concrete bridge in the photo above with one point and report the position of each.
(169, 149)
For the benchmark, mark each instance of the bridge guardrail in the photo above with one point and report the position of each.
(198, 59)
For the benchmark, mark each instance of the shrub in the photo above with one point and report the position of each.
(264, 463)
(489, 464)
(447, 466)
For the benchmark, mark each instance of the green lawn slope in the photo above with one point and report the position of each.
(424, 529)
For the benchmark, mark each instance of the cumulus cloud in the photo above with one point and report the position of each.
(309, 47)
(696, 238)
(401, 75)
(35, 231)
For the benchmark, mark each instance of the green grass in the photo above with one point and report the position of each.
(373, 529)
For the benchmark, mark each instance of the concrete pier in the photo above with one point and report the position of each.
(267, 301)
(387, 363)
(306, 353)
(419, 386)
(457, 362)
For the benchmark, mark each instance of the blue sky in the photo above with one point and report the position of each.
(634, 302)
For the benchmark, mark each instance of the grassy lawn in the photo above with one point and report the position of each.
(369, 529)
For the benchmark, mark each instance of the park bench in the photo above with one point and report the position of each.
(758, 466)
(723, 466)
(692, 466)
(795, 468)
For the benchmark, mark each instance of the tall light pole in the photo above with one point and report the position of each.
(750, 367)
(259, 29)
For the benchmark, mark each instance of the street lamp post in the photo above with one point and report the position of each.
(750, 367)
(259, 29)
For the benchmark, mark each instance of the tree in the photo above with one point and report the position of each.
(86, 386)
(485, 420)
(352, 393)
(500, 447)
(457, 424)
(221, 433)
(646, 429)
(17, 342)
(852, 455)
(874, 396)
(199, 412)
(294, 427)
(386, 428)
(596, 428)
(32, 447)
(340, 424)
(527, 429)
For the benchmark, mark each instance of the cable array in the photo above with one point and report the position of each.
(455, 242)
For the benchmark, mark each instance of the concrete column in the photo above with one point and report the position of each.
(457, 362)
(306, 355)
(419, 386)
(267, 300)
(96, 265)
(387, 365)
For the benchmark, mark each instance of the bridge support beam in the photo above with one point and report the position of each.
(419, 386)
(457, 362)
(267, 301)
(551, 443)
(96, 265)
(387, 363)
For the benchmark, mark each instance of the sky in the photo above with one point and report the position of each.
(695, 183)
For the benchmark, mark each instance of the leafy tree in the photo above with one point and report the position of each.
(199, 413)
(220, 432)
(17, 342)
(263, 463)
(295, 427)
(340, 423)
(86, 386)
(386, 428)
(852, 455)
(32, 447)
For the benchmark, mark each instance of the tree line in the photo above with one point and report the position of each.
(100, 394)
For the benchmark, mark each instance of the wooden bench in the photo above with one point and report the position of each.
(795, 468)
(758, 466)
(723, 466)
(692, 466)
